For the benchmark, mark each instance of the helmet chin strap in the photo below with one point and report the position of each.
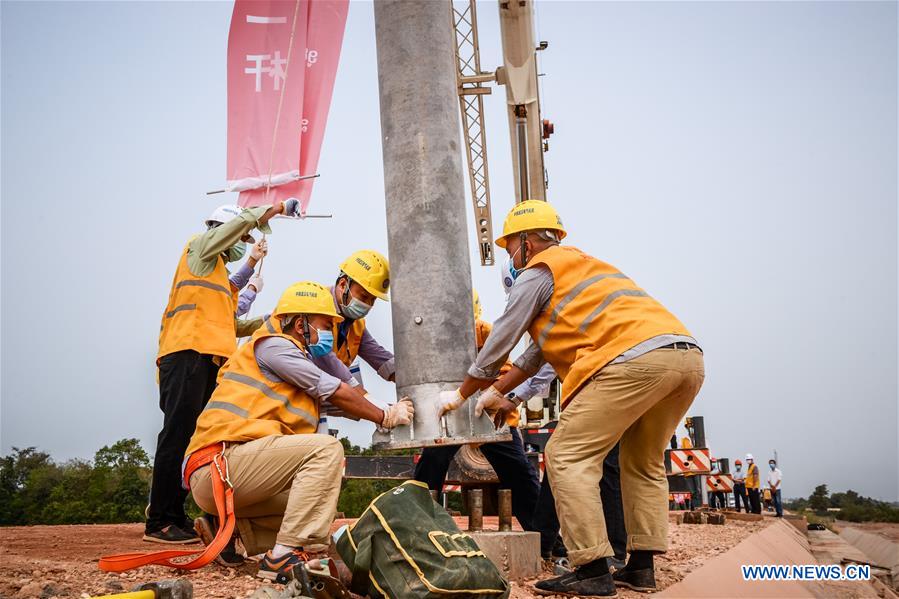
(346, 291)
(306, 334)
(524, 250)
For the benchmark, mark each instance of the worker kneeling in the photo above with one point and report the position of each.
(262, 418)
(630, 371)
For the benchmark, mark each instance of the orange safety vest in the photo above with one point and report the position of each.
(348, 351)
(594, 315)
(752, 477)
(246, 405)
(481, 332)
(200, 313)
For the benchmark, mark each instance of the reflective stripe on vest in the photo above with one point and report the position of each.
(595, 314)
(200, 312)
(246, 405)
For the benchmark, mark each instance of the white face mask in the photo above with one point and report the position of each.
(356, 309)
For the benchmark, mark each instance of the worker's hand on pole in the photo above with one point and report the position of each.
(398, 414)
(256, 283)
(490, 400)
(449, 401)
(291, 208)
(259, 250)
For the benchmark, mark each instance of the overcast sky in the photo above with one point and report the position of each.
(738, 160)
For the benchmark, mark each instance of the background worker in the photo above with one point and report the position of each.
(774, 479)
(364, 278)
(198, 333)
(753, 485)
(717, 498)
(286, 479)
(512, 467)
(247, 279)
(630, 372)
(740, 487)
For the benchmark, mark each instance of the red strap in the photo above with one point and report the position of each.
(224, 505)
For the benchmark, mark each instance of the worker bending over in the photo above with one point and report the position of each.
(507, 458)
(262, 418)
(630, 371)
(198, 333)
(753, 485)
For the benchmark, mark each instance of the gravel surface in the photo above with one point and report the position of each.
(61, 561)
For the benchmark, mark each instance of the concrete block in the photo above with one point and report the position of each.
(516, 554)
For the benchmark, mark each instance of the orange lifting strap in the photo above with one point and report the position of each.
(223, 492)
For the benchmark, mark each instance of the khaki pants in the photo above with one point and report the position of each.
(639, 403)
(285, 489)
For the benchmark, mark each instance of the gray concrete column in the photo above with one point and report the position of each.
(430, 290)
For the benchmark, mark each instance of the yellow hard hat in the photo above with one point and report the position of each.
(307, 298)
(528, 216)
(371, 270)
(476, 303)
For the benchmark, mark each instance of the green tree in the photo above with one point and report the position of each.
(818, 501)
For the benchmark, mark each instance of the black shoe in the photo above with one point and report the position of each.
(206, 527)
(638, 580)
(172, 535)
(571, 584)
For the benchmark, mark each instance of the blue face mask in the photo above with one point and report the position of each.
(324, 345)
(772, 466)
(514, 272)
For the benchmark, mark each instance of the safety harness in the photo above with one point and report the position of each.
(223, 492)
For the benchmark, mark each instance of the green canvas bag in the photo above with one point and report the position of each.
(405, 545)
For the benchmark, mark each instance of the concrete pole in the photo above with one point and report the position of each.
(430, 291)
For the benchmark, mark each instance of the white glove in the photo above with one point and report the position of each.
(259, 250)
(398, 414)
(291, 208)
(449, 401)
(256, 282)
(490, 400)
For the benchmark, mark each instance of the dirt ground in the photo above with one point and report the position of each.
(61, 561)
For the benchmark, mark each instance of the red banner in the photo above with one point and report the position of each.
(278, 106)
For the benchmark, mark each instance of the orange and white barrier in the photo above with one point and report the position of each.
(720, 482)
(690, 460)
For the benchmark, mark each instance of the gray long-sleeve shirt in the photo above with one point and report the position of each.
(282, 361)
(536, 385)
(528, 297)
(239, 280)
(376, 355)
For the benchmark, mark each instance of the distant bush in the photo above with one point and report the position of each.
(846, 506)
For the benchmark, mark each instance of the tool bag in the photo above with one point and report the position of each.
(405, 545)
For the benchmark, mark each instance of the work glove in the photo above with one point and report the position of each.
(449, 401)
(291, 208)
(490, 400)
(256, 282)
(398, 414)
(259, 250)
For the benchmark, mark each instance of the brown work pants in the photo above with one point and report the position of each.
(285, 489)
(639, 403)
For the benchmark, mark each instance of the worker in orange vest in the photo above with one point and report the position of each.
(198, 333)
(630, 371)
(260, 424)
(753, 485)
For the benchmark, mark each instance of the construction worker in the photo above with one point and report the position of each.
(507, 458)
(753, 485)
(630, 371)
(717, 498)
(198, 333)
(247, 279)
(262, 419)
(775, 476)
(364, 278)
(740, 496)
